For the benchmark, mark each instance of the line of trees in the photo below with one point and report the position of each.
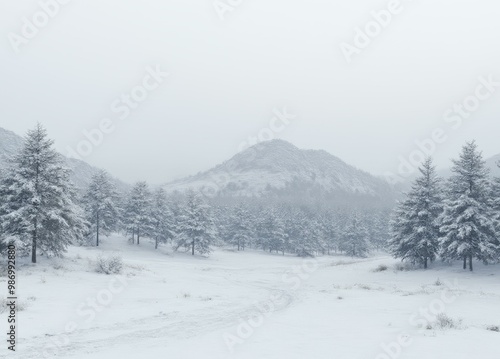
(302, 230)
(42, 213)
(457, 219)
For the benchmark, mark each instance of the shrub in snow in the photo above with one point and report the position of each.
(443, 321)
(403, 267)
(109, 265)
(20, 306)
(494, 328)
(381, 268)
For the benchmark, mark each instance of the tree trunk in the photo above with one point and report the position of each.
(156, 242)
(465, 262)
(97, 236)
(470, 264)
(192, 247)
(35, 230)
(425, 263)
(133, 235)
(138, 236)
(33, 244)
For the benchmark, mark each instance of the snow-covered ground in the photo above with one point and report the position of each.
(251, 305)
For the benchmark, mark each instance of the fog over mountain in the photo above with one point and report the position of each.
(278, 169)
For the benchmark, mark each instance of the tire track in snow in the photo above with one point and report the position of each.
(178, 326)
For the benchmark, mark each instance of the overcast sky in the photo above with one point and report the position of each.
(227, 76)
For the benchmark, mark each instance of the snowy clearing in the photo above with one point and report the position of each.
(252, 305)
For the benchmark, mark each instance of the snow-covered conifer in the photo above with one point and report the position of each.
(37, 206)
(196, 228)
(138, 211)
(468, 225)
(100, 206)
(162, 226)
(415, 229)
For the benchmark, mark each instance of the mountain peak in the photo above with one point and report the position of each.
(279, 168)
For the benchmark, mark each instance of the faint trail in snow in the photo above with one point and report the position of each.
(171, 326)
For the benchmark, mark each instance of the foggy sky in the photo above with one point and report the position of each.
(227, 77)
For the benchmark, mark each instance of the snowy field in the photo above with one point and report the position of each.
(252, 305)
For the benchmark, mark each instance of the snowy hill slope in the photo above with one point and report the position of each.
(279, 169)
(10, 143)
(492, 164)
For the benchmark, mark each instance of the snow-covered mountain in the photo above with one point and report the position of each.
(82, 172)
(279, 169)
(492, 164)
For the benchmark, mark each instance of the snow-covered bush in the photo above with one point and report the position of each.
(403, 267)
(381, 268)
(109, 265)
(20, 305)
(443, 321)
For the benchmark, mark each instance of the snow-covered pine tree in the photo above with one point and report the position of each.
(37, 206)
(100, 204)
(414, 228)
(304, 242)
(240, 227)
(196, 227)
(275, 234)
(356, 238)
(378, 228)
(468, 225)
(495, 202)
(162, 226)
(331, 231)
(138, 211)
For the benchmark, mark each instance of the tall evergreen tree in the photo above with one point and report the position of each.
(275, 237)
(162, 226)
(331, 228)
(468, 225)
(196, 228)
(138, 211)
(240, 227)
(100, 206)
(356, 238)
(415, 229)
(37, 199)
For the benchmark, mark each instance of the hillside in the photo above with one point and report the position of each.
(82, 172)
(277, 169)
